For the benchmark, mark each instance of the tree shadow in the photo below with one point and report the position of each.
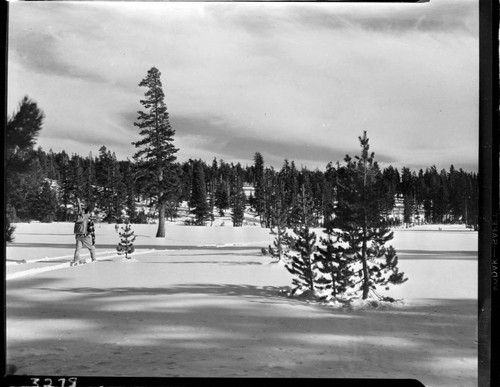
(233, 263)
(164, 246)
(438, 254)
(197, 328)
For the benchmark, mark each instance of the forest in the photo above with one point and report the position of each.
(45, 191)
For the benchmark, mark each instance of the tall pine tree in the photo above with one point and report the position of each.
(156, 153)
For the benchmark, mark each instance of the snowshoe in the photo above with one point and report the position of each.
(79, 262)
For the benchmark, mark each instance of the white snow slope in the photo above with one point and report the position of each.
(204, 302)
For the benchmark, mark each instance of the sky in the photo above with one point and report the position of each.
(296, 81)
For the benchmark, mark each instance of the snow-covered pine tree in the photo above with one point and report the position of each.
(383, 267)
(358, 215)
(126, 244)
(302, 248)
(335, 266)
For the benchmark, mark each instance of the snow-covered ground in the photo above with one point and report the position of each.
(204, 301)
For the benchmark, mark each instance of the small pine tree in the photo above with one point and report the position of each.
(9, 231)
(278, 227)
(126, 244)
(334, 264)
(10, 216)
(302, 249)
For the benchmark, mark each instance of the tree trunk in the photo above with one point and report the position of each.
(366, 287)
(311, 274)
(161, 221)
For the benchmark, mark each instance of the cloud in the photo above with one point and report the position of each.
(40, 53)
(446, 16)
(289, 80)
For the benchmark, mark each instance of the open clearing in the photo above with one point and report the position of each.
(205, 302)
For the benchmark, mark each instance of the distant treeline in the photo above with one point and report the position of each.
(45, 187)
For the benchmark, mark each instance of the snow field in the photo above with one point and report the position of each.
(205, 302)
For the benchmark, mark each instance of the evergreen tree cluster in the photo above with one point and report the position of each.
(445, 196)
(351, 259)
(43, 190)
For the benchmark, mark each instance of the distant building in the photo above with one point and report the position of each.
(249, 190)
(398, 212)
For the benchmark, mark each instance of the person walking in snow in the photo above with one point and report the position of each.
(84, 234)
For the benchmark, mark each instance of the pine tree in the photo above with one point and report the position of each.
(89, 185)
(302, 248)
(334, 263)
(472, 201)
(288, 176)
(156, 153)
(279, 216)
(259, 184)
(128, 179)
(408, 190)
(388, 188)
(47, 204)
(66, 185)
(222, 197)
(198, 199)
(238, 202)
(9, 231)
(21, 132)
(363, 229)
(10, 216)
(127, 238)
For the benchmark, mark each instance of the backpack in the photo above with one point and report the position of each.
(81, 225)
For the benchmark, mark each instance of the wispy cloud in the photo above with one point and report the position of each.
(296, 81)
